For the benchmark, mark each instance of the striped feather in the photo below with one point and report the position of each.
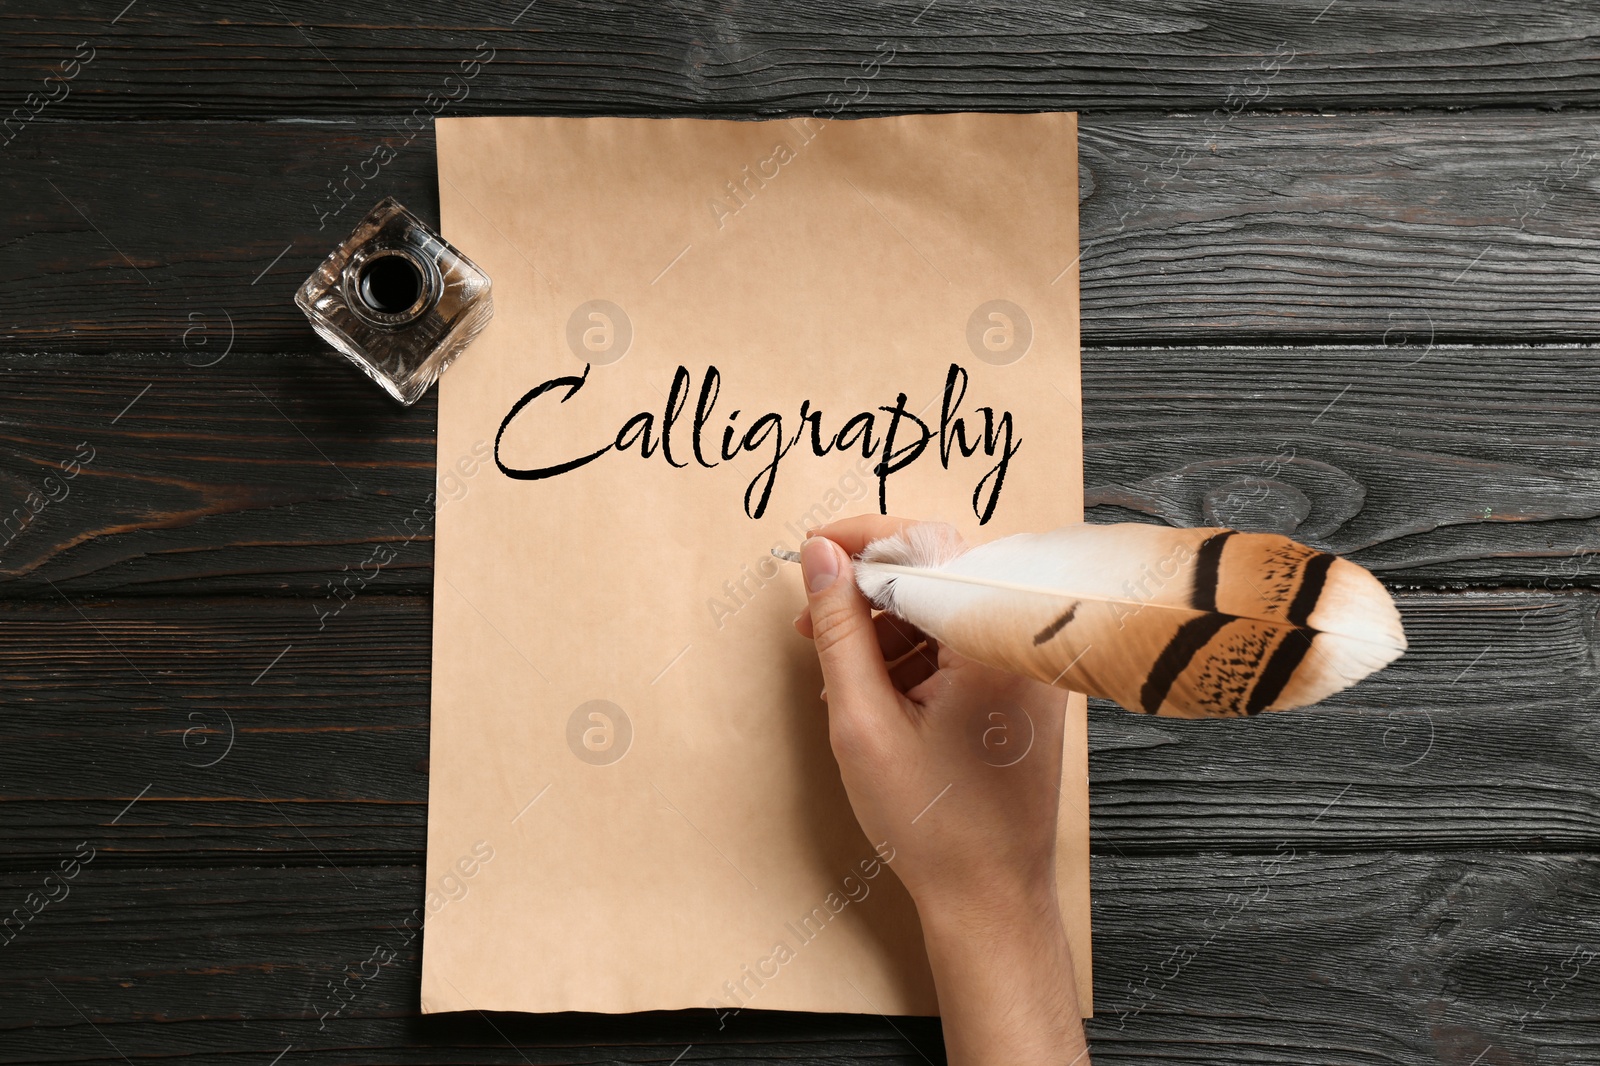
(1191, 623)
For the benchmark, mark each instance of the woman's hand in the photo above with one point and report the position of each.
(958, 767)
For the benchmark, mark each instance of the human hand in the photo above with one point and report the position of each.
(957, 767)
(955, 764)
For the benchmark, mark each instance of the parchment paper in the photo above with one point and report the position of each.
(685, 841)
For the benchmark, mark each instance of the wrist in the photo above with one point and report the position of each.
(1003, 969)
(991, 907)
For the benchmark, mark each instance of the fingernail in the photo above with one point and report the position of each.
(818, 563)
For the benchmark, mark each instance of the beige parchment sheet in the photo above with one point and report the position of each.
(841, 262)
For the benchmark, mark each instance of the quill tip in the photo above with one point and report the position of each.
(786, 556)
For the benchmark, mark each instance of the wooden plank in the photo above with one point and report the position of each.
(219, 727)
(1289, 957)
(256, 473)
(239, 726)
(1425, 463)
(1305, 958)
(1404, 233)
(187, 237)
(205, 58)
(282, 472)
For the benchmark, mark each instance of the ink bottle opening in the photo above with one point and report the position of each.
(397, 300)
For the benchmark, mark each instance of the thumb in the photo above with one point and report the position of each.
(841, 623)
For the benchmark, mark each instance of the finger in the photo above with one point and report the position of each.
(841, 620)
(854, 534)
(896, 636)
(952, 679)
(915, 668)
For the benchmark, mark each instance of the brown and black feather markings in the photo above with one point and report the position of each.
(1174, 659)
(1313, 577)
(1280, 579)
(1286, 659)
(1208, 570)
(1049, 631)
(1224, 678)
(1189, 623)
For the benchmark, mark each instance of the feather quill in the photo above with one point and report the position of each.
(1191, 623)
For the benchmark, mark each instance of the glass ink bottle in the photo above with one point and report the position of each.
(397, 300)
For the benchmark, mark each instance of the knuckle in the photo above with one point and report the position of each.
(835, 621)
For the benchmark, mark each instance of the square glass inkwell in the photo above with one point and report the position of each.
(397, 300)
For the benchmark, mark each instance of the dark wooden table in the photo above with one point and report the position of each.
(1340, 260)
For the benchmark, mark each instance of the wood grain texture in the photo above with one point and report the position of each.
(235, 748)
(1442, 466)
(207, 58)
(1373, 959)
(1402, 231)
(188, 237)
(1294, 957)
(1423, 463)
(256, 473)
(1396, 232)
(1406, 875)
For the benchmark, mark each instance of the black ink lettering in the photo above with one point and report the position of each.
(728, 451)
(859, 427)
(573, 384)
(768, 473)
(903, 440)
(702, 410)
(676, 398)
(991, 440)
(639, 428)
(891, 460)
(953, 432)
(818, 448)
